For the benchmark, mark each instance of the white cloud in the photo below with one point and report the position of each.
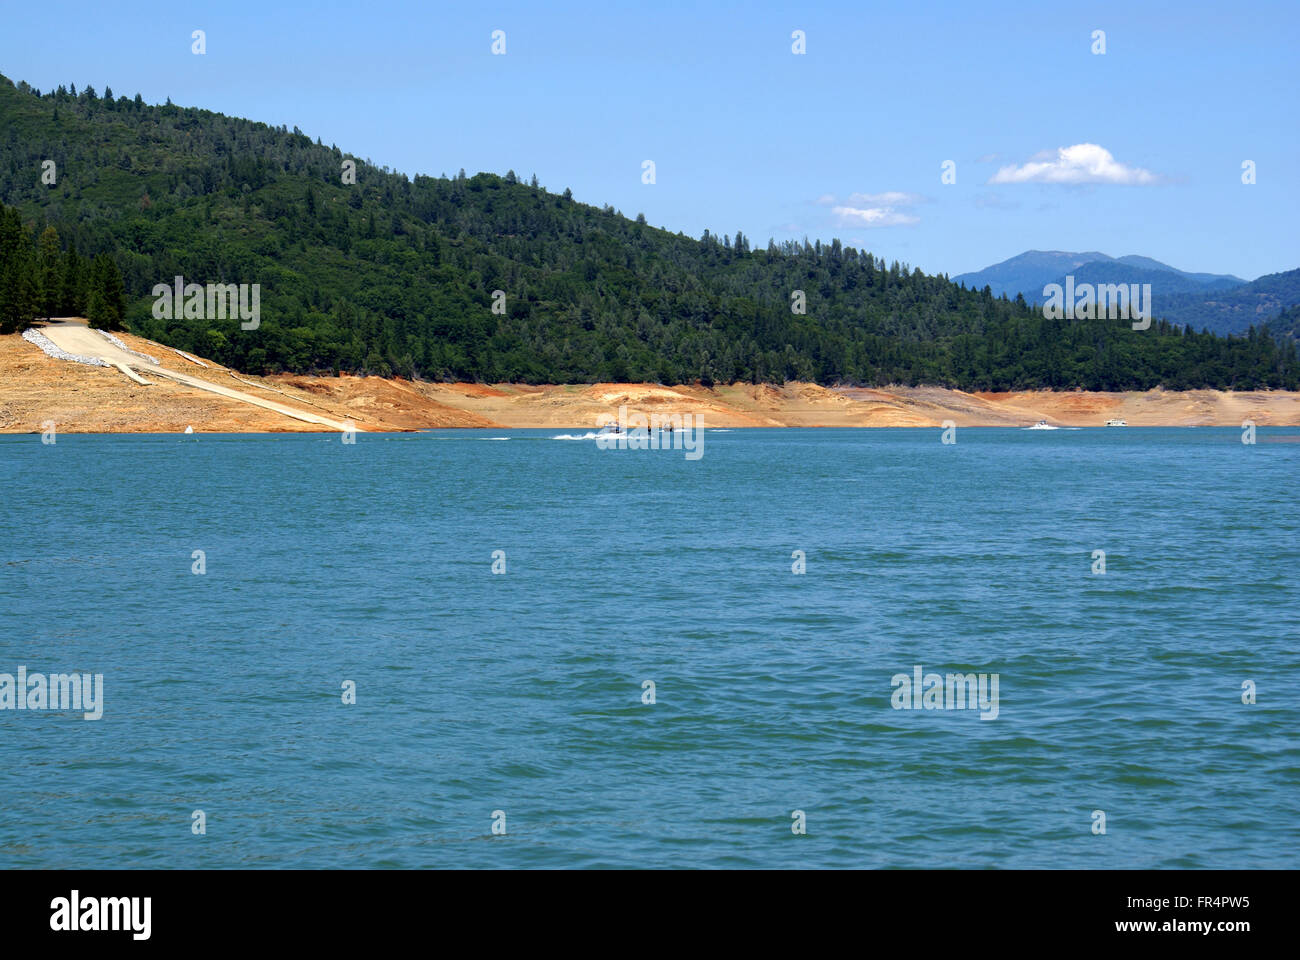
(1081, 163)
(892, 198)
(886, 209)
(875, 216)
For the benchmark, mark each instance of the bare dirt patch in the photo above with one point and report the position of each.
(35, 389)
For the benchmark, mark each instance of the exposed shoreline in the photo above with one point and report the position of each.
(79, 398)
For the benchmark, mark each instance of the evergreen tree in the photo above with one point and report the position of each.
(72, 287)
(50, 258)
(19, 294)
(114, 293)
(97, 308)
(106, 300)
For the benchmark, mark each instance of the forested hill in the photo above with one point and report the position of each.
(1236, 309)
(393, 275)
(1286, 325)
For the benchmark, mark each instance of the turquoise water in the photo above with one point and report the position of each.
(522, 692)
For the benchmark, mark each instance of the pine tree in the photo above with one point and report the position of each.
(50, 275)
(97, 309)
(114, 292)
(72, 288)
(106, 301)
(18, 287)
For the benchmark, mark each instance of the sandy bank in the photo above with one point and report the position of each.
(35, 388)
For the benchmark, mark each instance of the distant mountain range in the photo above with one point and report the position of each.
(1034, 269)
(1221, 303)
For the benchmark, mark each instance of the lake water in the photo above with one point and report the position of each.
(522, 692)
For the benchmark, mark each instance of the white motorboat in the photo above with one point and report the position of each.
(1042, 425)
(1116, 423)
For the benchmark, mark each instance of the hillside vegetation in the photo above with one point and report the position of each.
(392, 275)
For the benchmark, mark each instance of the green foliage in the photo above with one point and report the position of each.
(394, 275)
(106, 297)
(1286, 325)
(49, 273)
(1235, 310)
(72, 287)
(19, 290)
(38, 279)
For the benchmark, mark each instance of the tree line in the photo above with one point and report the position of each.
(393, 275)
(39, 279)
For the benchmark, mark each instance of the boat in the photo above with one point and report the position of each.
(1042, 425)
(1116, 423)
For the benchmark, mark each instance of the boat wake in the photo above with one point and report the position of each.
(596, 435)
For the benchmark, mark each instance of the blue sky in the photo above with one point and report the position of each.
(845, 140)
